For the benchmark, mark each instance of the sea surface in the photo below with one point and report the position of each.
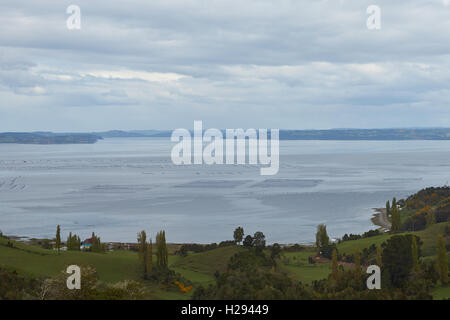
(117, 187)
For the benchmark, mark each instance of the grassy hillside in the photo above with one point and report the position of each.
(296, 265)
(199, 268)
(111, 267)
(427, 236)
(36, 262)
(349, 247)
(116, 266)
(427, 204)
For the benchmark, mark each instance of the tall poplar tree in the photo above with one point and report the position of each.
(58, 238)
(442, 260)
(322, 239)
(379, 256)
(143, 251)
(69, 242)
(161, 250)
(395, 219)
(414, 254)
(388, 209)
(149, 258)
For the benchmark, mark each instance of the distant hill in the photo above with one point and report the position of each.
(331, 134)
(367, 134)
(47, 138)
(134, 133)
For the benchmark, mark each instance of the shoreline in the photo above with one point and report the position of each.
(379, 218)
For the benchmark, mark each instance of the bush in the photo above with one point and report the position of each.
(15, 287)
(327, 251)
(295, 248)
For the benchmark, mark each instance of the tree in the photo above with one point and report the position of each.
(322, 239)
(248, 241)
(259, 240)
(58, 238)
(357, 263)
(414, 254)
(442, 260)
(397, 258)
(149, 258)
(73, 242)
(395, 216)
(388, 209)
(379, 254)
(77, 243)
(69, 242)
(238, 234)
(161, 250)
(431, 219)
(97, 245)
(334, 265)
(395, 219)
(143, 251)
(275, 251)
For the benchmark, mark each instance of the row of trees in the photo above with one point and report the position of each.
(145, 250)
(258, 240)
(145, 254)
(97, 245)
(74, 242)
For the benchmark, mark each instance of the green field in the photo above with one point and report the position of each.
(36, 262)
(111, 267)
(297, 266)
(201, 267)
(427, 236)
(349, 247)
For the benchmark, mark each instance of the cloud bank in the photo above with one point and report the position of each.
(262, 64)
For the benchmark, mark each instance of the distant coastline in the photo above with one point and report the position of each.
(47, 138)
(331, 134)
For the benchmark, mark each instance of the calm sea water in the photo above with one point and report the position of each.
(118, 187)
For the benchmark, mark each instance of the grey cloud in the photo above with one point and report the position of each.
(287, 64)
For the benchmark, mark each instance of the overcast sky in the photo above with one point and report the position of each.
(161, 64)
